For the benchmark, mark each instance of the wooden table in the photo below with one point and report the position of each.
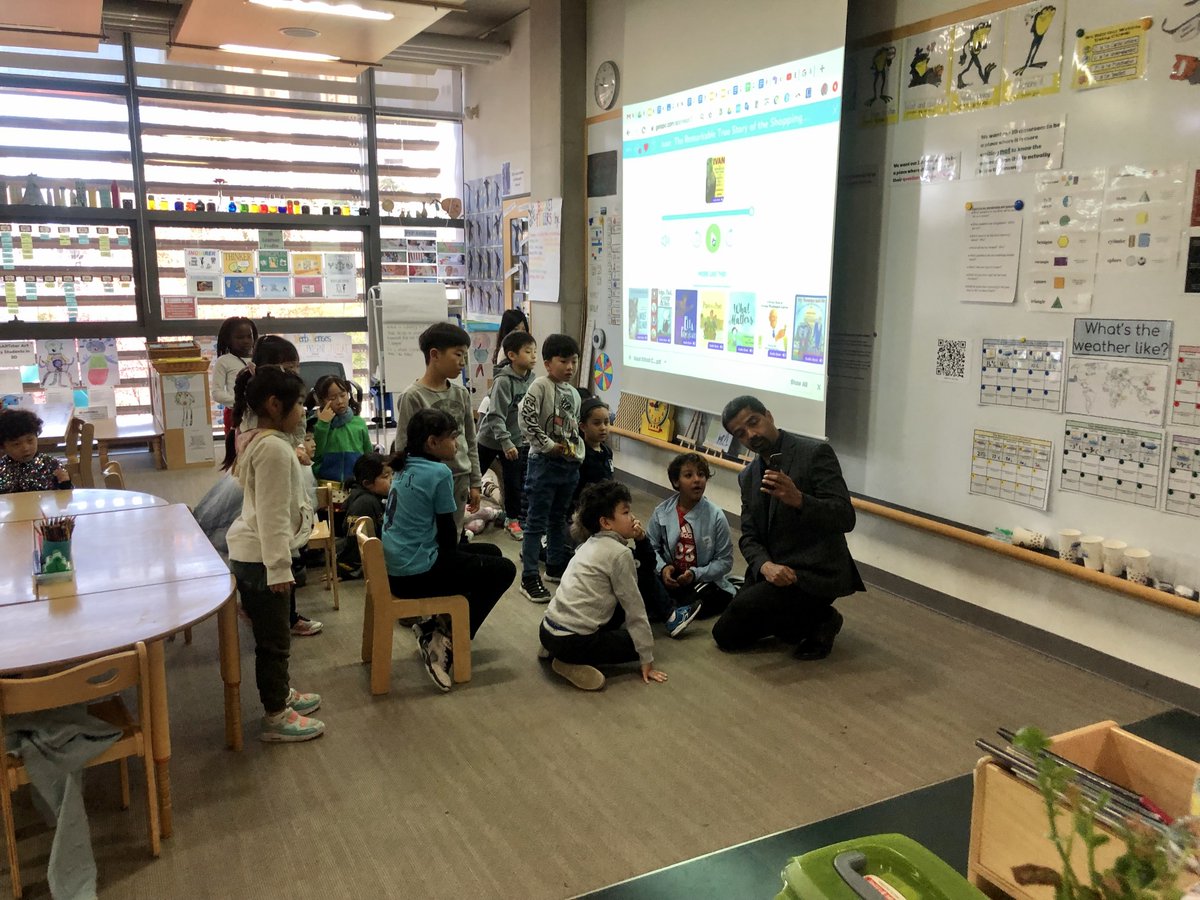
(126, 430)
(142, 574)
(33, 505)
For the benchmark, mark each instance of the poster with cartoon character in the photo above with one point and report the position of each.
(1033, 50)
(877, 84)
(98, 362)
(924, 71)
(182, 397)
(58, 363)
(977, 54)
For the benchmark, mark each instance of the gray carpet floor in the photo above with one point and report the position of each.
(518, 785)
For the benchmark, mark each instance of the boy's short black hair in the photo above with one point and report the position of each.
(675, 467)
(561, 345)
(516, 341)
(370, 466)
(442, 336)
(600, 500)
(16, 423)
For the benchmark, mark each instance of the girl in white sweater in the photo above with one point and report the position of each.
(235, 343)
(276, 519)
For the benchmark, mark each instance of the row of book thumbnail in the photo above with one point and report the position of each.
(730, 321)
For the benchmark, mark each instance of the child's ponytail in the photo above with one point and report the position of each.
(236, 415)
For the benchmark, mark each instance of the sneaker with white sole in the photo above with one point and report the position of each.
(586, 678)
(534, 590)
(290, 727)
(513, 527)
(304, 704)
(306, 627)
(680, 618)
(434, 648)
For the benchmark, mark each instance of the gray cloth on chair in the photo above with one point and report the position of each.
(54, 745)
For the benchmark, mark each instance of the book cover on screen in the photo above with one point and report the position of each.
(638, 323)
(808, 336)
(774, 317)
(685, 318)
(663, 311)
(741, 323)
(712, 319)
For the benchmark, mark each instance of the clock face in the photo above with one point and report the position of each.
(608, 82)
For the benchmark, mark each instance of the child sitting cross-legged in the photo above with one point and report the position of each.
(692, 544)
(420, 539)
(23, 468)
(367, 492)
(597, 618)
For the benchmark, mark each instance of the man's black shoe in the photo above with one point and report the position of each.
(820, 643)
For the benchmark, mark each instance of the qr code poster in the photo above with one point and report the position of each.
(951, 362)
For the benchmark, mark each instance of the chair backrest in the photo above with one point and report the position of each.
(80, 444)
(325, 497)
(370, 550)
(84, 683)
(312, 370)
(114, 476)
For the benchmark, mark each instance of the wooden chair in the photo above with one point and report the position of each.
(80, 442)
(95, 682)
(323, 538)
(382, 610)
(114, 476)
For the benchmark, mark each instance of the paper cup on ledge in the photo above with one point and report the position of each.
(1090, 549)
(1114, 557)
(1032, 540)
(1069, 549)
(1137, 565)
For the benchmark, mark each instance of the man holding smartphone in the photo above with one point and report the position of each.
(796, 512)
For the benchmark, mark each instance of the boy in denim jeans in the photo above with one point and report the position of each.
(549, 421)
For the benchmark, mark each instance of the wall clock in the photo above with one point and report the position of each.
(607, 84)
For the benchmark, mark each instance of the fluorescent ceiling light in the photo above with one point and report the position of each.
(279, 54)
(329, 9)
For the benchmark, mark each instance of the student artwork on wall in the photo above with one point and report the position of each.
(340, 287)
(925, 74)
(58, 363)
(274, 287)
(273, 262)
(98, 362)
(182, 397)
(308, 287)
(307, 263)
(204, 262)
(340, 264)
(1033, 50)
(237, 262)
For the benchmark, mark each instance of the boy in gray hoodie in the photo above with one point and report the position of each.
(500, 431)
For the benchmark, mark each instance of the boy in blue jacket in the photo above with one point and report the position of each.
(692, 545)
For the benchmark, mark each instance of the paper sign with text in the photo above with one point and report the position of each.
(1131, 338)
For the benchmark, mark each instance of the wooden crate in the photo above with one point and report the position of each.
(1008, 817)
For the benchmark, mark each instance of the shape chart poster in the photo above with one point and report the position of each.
(1060, 261)
(1011, 467)
(1121, 464)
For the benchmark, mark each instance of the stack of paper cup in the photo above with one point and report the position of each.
(1137, 565)
(1068, 545)
(1089, 547)
(1114, 557)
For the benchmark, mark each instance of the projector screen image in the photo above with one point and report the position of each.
(728, 197)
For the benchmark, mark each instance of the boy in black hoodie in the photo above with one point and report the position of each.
(499, 431)
(372, 480)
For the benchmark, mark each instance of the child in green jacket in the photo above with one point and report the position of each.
(340, 434)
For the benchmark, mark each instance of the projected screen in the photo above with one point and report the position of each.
(728, 196)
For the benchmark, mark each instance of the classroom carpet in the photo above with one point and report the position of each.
(517, 785)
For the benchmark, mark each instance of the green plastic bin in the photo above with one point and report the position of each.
(890, 866)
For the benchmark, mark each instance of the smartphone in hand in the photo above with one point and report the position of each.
(772, 462)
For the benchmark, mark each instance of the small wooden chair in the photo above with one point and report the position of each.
(382, 610)
(95, 682)
(114, 476)
(80, 443)
(322, 537)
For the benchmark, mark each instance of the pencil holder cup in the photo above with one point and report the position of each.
(1137, 565)
(56, 557)
(1113, 554)
(1032, 540)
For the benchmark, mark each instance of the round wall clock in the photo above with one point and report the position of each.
(607, 84)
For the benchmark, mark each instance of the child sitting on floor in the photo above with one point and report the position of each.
(23, 468)
(692, 545)
(596, 617)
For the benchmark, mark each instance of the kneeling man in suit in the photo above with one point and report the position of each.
(796, 512)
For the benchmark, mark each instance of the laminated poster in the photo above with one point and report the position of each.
(925, 74)
(1033, 50)
(877, 84)
(1112, 55)
(977, 56)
